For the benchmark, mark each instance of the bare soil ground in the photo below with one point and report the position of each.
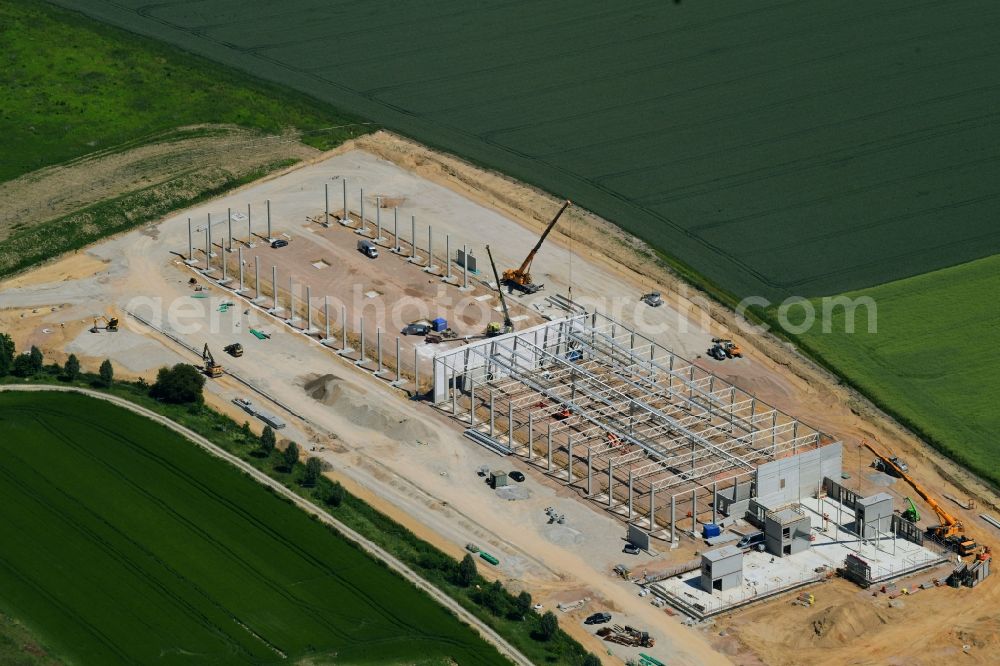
(418, 468)
(198, 151)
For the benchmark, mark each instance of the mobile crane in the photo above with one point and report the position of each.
(493, 329)
(949, 530)
(212, 369)
(520, 277)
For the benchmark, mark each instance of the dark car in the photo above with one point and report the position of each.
(517, 476)
(598, 618)
(631, 549)
(281, 242)
(417, 329)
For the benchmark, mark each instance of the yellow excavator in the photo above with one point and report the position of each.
(110, 325)
(950, 529)
(493, 329)
(520, 277)
(212, 369)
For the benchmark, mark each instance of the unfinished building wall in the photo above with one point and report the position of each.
(735, 500)
(801, 475)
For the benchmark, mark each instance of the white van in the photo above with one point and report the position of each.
(368, 248)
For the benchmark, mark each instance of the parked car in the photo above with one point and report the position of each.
(281, 242)
(751, 540)
(517, 476)
(417, 329)
(368, 248)
(631, 549)
(652, 299)
(598, 618)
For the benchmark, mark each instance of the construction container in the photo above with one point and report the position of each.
(498, 479)
(439, 324)
(489, 558)
(710, 530)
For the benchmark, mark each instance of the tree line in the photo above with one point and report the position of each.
(31, 364)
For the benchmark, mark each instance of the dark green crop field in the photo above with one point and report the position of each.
(123, 543)
(775, 147)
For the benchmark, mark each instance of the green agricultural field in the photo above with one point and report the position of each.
(934, 359)
(72, 86)
(774, 147)
(126, 544)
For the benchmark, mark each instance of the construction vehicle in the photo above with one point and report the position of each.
(211, 368)
(911, 513)
(508, 326)
(729, 348)
(949, 531)
(717, 352)
(626, 636)
(520, 277)
(235, 350)
(110, 325)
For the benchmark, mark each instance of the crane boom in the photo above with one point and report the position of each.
(949, 524)
(507, 323)
(521, 276)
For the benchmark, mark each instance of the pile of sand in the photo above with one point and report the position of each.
(357, 406)
(842, 624)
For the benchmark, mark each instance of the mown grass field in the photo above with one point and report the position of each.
(134, 546)
(933, 359)
(776, 147)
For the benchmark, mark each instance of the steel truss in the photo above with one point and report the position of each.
(591, 389)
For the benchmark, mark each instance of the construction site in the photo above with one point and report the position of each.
(414, 330)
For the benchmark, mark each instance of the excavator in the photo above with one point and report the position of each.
(949, 530)
(212, 369)
(520, 278)
(911, 513)
(110, 325)
(493, 329)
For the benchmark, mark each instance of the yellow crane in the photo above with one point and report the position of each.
(520, 277)
(950, 528)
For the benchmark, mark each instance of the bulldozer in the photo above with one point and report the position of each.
(520, 278)
(110, 324)
(235, 350)
(211, 368)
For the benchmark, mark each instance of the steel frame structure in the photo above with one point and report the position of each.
(588, 390)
